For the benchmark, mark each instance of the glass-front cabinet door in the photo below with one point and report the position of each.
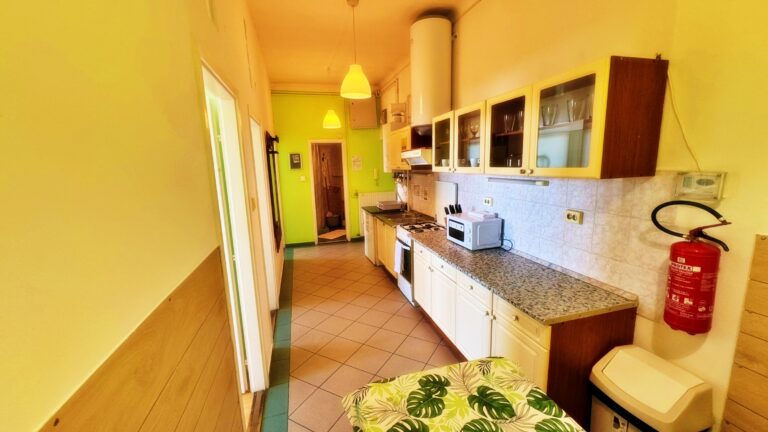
(569, 118)
(468, 135)
(442, 142)
(507, 133)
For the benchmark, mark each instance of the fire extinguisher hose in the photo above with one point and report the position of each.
(696, 232)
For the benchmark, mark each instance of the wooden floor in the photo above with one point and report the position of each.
(176, 372)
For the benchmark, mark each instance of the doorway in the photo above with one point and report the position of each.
(329, 184)
(237, 254)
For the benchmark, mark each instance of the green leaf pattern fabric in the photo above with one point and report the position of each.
(486, 395)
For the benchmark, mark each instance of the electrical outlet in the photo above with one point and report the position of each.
(488, 201)
(574, 216)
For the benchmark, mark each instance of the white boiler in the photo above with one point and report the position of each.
(430, 69)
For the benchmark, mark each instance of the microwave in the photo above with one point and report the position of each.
(473, 232)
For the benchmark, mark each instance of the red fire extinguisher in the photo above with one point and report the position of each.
(692, 275)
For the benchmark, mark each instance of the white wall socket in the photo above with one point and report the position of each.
(574, 216)
(488, 201)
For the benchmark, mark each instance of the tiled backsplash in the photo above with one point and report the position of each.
(617, 242)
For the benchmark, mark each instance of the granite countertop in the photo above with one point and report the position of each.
(546, 294)
(400, 216)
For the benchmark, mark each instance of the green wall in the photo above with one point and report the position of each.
(298, 119)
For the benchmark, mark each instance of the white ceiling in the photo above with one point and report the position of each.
(310, 41)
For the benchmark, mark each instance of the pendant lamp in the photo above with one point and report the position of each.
(355, 84)
(331, 120)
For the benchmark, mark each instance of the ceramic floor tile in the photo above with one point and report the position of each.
(298, 330)
(416, 349)
(374, 318)
(311, 318)
(425, 331)
(365, 300)
(298, 392)
(313, 340)
(399, 365)
(326, 292)
(387, 306)
(409, 311)
(368, 359)
(351, 311)
(359, 287)
(322, 279)
(359, 332)
(340, 283)
(299, 356)
(353, 275)
(342, 425)
(334, 325)
(401, 324)
(345, 380)
(395, 296)
(295, 427)
(379, 291)
(329, 306)
(297, 311)
(345, 296)
(442, 356)
(309, 301)
(319, 412)
(316, 370)
(386, 340)
(339, 349)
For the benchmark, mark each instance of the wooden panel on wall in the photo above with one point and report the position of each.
(747, 407)
(155, 378)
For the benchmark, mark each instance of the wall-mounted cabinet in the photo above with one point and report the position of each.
(602, 120)
(442, 142)
(507, 133)
(398, 141)
(457, 140)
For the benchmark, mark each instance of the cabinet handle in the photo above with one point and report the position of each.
(530, 171)
(493, 317)
(488, 313)
(471, 287)
(522, 170)
(515, 318)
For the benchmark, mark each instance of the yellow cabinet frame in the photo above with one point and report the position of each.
(525, 92)
(436, 167)
(480, 106)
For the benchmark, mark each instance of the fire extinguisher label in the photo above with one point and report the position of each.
(684, 267)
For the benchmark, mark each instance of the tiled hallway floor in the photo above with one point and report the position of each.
(350, 325)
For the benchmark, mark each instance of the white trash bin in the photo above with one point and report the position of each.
(635, 390)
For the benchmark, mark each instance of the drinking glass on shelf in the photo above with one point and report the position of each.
(474, 128)
(575, 109)
(548, 114)
(519, 120)
(509, 123)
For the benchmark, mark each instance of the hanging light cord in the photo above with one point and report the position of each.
(354, 35)
(680, 123)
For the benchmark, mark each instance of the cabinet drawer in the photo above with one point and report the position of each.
(421, 251)
(444, 267)
(472, 287)
(540, 333)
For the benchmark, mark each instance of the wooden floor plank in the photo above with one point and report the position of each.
(752, 353)
(135, 374)
(172, 401)
(194, 408)
(748, 389)
(743, 418)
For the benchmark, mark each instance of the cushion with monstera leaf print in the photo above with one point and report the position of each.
(486, 395)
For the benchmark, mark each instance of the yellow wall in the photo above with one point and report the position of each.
(717, 62)
(104, 177)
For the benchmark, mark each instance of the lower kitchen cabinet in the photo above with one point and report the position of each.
(507, 341)
(557, 357)
(385, 245)
(422, 283)
(444, 303)
(473, 326)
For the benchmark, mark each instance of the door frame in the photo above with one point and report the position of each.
(345, 180)
(242, 295)
(273, 260)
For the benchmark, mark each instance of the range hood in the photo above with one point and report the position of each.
(419, 156)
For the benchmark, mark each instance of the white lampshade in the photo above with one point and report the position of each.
(355, 84)
(331, 120)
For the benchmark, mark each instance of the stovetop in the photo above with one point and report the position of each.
(421, 227)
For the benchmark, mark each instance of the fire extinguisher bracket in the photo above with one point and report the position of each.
(692, 274)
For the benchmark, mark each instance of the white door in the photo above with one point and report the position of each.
(509, 342)
(236, 238)
(473, 329)
(444, 303)
(422, 283)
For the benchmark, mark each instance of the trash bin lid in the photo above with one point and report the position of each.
(663, 395)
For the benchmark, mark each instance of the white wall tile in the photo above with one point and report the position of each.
(580, 236)
(610, 238)
(582, 194)
(615, 196)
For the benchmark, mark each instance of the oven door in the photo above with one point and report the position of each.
(403, 268)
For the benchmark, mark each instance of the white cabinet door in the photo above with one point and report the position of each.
(370, 237)
(507, 341)
(422, 283)
(473, 326)
(444, 303)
